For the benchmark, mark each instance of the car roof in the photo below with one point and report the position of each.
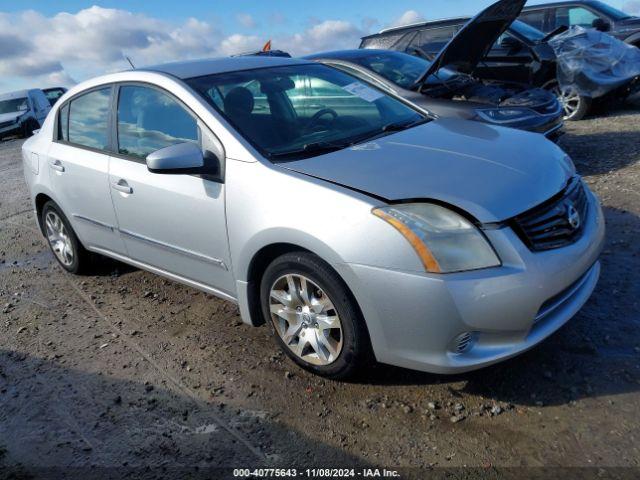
(16, 94)
(211, 66)
(349, 54)
(417, 26)
(559, 4)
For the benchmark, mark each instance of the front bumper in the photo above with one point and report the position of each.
(414, 318)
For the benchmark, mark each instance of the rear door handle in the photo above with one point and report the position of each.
(57, 165)
(122, 186)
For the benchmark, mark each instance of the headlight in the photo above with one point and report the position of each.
(445, 241)
(505, 115)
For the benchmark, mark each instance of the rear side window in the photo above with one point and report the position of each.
(149, 120)
(89, 119)
(534, 18)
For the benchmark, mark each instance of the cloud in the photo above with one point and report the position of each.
(326, 35)
(11, 46)
(408, 17)
(632, 7)
(38, 50)
(246, 20)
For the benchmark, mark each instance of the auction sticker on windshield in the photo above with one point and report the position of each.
(360, 90)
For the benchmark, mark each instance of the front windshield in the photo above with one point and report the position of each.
(400, 68)
(13, 105)
(299, 111)
(610, 11)
(527, 31)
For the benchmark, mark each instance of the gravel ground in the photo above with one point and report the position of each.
(125, 373)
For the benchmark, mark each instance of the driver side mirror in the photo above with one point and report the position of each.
(184, 159)
(511, 44)
(601, 25)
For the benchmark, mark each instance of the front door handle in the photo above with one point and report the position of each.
(122, 186)
(57, 165)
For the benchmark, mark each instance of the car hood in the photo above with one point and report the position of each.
(8, 117)
(472, 43)
(493, 173)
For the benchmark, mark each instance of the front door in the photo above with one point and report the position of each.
(172, 222)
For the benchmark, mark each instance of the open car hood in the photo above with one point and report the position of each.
(472, 43)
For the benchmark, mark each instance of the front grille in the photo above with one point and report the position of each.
(6, 124)
(557, 222)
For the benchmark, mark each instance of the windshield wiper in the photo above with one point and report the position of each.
(310, 149)
(399, 126)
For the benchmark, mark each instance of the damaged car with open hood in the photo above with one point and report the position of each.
(447, 86)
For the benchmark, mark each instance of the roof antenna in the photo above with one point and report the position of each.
(133, 67)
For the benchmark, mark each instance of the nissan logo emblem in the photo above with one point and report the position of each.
(573, 216)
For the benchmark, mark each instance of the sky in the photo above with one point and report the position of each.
(46, 43)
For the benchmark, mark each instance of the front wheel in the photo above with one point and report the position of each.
(313, 316)
(575, 106)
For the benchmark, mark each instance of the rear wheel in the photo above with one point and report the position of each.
(64, 243)
(313, 316)
(575, 106)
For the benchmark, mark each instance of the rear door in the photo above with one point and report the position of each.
(78, 164)
(175, 223)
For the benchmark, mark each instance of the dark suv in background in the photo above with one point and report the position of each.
(518, 55)
(586, 13)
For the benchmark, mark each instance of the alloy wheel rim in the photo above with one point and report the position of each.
(306, 320)
(569, 99)
(59, 239)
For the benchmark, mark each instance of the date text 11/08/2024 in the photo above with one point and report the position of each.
(316, 473)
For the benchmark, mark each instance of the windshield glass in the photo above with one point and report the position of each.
(53, 95)
(610, 11)
(527, 31)
(400, 68)
(299, 111)
(13, 105)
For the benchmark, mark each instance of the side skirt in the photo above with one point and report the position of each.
(164, 273)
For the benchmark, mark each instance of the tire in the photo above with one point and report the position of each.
(336, 353)
(575, 106)
(62, 240)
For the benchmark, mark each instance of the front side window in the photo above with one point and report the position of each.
(149, 120)
(89, 119)
(311, 107)
(575, 16)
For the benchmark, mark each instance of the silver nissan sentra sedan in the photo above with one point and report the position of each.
(354, 225)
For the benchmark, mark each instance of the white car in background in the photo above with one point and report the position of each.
(22, 112)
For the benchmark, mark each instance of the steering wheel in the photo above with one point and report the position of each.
(318, 115)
